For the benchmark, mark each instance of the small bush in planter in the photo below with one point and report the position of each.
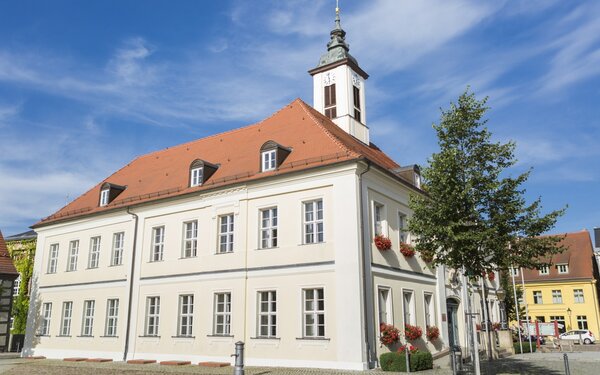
(419, 361)
(525, 347)
(407, 250)
(389, 334)
(412, 332)
(382, 242)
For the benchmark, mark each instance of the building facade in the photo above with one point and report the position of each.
(568, 290)
(8, 274)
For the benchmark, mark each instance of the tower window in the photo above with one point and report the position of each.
(356, 103)
(330, 102)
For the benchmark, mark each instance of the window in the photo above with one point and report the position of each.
(562, 268)
(582, 322)
(222, 318)
(117, 251)
(385, 306)
(330, 101)
(268, 228)
(152, 315)
(196, 175)
(269, 160)
(16, 286)
(158, 244)
(560, 319)
(402, 232)
(356, 92)
(94, 252)
(537, 297)
(53, 258)
(578, 294)
(544, 270)
(313, 221)
(541, 319)
(514, 272)
(226, 233)
(186, 315)
(88, 318)
(112, 317)
(73, 254)
(190, 239)
(314, 312)
(409, 307)
(378, 218)
(46, 316)
(104, 197)
(65, 321)
(267, 314)
(556, 296)
(430, 311)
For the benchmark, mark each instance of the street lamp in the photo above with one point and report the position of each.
(569, 312)
(501, 294)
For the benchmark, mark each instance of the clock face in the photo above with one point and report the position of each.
(329, 78)
(355, 80)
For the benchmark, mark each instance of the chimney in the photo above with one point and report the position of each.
(597, 238)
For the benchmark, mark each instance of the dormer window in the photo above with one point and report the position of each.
(108, 193)
(562, 268)
(272, 155)
(201, 171)
(544, 270)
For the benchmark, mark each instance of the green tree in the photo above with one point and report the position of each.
(474, 215)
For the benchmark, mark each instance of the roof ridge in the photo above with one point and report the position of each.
(332, 136)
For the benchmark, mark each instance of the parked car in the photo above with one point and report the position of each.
(586, 336)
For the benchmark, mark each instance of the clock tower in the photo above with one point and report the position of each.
(339, 85)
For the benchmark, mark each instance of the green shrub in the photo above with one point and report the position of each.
(525, 347)
(397, 361)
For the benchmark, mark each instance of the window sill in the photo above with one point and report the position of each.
(88, 336)
(109, 337)
(63, 335)
(265, 338)
(311, 243)
(39, 335)
(314, 338)
(150, 336)
(92, 268)
(224, 253)
(267, 248)
(155, 261)
(183, 337)
(71, 270)
(116, 265)
(231, 336)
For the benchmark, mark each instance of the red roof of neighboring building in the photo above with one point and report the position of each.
(313, 138)
(6, 264)
(579, 255)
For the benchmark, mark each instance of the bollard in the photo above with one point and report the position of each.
(567, 369)
(239, 358)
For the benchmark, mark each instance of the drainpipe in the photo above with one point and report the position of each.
(130, 301)
(367, 278)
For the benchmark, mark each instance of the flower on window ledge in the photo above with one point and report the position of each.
(491, 276)
(407, 250)
(382, 242)
(433, 333)
(411, 348)
(412, 332)
(389, 334)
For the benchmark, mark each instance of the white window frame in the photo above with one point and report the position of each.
(185, 318)
(222, 314)
(73, 255)
(117, 250)
(94, 257)
(66, 318)
(411, 317)
(557, 296)
(379, 219)
(152, 323)
(196, 176)
(269, 160)
(537, 297)
(268, 227)
(190, 239)
(402, 232)
(53, 258)
(582, 322)
(266, 314)
(562, 268)
(313, 313)
(104, 197)
(514, 271)
(545, 270)
(158, 243)
(112, 317)
(16, 286)
(310, 226)
(429, 310)
(578, 297)
(384, 298)
(226, 233)
(87, 321)
(46, 318)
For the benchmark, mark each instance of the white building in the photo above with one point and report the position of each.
(262, 234)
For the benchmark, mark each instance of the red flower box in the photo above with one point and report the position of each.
(407, 250)
(382, 242)
(433, 333)
(412, 332)
(389, 334)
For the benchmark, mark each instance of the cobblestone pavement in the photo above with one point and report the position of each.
(536, 363)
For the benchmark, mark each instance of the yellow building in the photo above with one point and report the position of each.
(568, 290)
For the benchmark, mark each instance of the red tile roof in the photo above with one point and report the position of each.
(6, 264)
(579, 255)
(314, 139)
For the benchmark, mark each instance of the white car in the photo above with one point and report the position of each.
(586, 336)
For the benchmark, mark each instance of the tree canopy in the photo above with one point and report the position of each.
(474, 214)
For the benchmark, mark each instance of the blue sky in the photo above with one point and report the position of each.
(87, 86)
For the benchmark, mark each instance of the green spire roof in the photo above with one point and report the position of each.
(337, 48)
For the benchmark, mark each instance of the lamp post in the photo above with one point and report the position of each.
(501, 294)
(569, 312)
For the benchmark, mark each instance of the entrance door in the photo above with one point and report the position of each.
(452, 310)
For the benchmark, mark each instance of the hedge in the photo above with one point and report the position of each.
(394, 361)
(525, 347)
